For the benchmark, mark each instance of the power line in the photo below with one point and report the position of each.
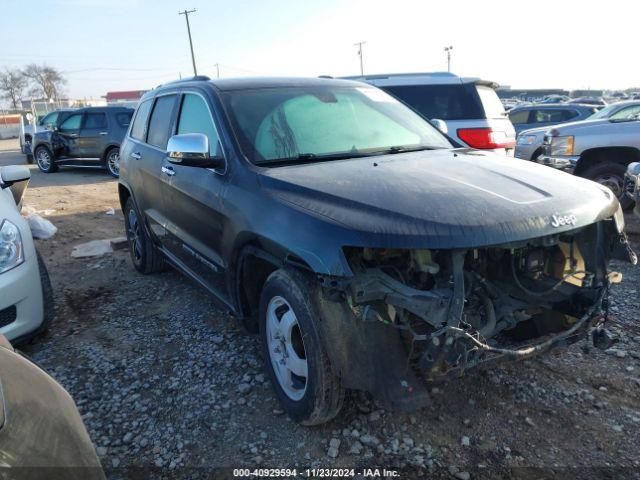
(193, 58)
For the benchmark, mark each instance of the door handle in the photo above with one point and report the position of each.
(169, 171)
(104, 133)
(136, 155)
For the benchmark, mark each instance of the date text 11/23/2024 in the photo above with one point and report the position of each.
(315, 473)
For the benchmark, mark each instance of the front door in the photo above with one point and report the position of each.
(93, 135)
(195, 224)
(65, 139)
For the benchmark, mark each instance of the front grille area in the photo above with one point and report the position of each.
(8, 315)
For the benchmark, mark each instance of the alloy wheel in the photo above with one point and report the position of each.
(286, 348)
(113, 162)
(134, 234)
(44, 159)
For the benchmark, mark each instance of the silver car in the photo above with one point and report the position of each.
(465, 108)
(529, 142)
(26, 297)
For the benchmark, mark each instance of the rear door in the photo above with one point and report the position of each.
(144, 154)
(93, 134)
(195, 222)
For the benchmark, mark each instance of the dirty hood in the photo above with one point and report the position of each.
(439, 198)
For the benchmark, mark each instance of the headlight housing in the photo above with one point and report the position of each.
(11, 249)
(526, 139)
(559, 146)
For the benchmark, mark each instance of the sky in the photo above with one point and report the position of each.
(109, 45)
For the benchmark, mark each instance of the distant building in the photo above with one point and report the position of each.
(129, 98)
(587, 93)
(529, 95)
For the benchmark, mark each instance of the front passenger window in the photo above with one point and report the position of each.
(196, 118)
(71, 123)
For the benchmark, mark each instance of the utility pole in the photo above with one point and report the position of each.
(448, 50)
(217, 65)
(193, 58)
(359, 45)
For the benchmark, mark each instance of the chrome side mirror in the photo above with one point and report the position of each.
(440, 125)
(192, 150)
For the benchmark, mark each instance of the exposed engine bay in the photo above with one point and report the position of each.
(455, 309)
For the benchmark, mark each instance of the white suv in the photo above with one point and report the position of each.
(469, 107)
(26, 297)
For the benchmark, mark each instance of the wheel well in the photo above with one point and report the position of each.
(537, 153)
(107, 150)
(254, 265)
(621, 155)
(254, 271)
(123, 194)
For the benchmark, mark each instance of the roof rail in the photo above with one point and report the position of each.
(196, 78)
(413, 74)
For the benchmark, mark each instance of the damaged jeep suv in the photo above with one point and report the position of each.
(366, 250)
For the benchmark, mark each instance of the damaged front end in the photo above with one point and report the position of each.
(416, 315)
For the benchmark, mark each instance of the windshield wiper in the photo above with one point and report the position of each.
(311, 157)
(405, 148)
(314, 157)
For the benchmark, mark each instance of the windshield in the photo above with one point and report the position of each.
(605, 112)
(324, 121)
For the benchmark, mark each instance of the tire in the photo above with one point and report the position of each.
(610, 174)
(29, 158)
(45, 160)
(112, 161)
(145, 256)
(287, 296)
(47, 296)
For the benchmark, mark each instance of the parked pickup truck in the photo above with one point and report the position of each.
(599, 151)
(632, 185)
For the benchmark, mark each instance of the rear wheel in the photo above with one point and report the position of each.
(145, 256)
(45, 160)
(611, 175)
(294, 356)
(112, 159)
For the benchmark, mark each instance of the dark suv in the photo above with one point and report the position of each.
(367, 252)
(88, 137)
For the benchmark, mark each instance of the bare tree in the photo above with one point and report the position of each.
(12, 84)
(47, 80)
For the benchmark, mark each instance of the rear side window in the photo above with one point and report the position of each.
(553, 116)
(95, 120)
(491, 104)
(124, 118)
(195, 118)
(519, 117)
(138, 129)
(445, 102)
(160, 121)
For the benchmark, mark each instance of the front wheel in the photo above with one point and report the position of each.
(294, 356)
(113, 162)
(45, 160)
(611, 175)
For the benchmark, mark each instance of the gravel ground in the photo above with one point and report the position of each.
(170, 385)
